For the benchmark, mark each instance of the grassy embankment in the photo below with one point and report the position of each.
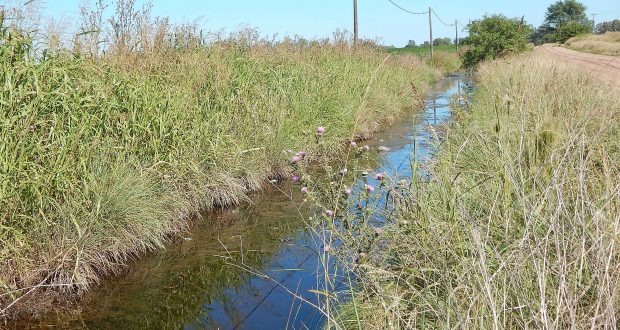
(103, 159)
(604, 44)
(445, 57)
(519, 225)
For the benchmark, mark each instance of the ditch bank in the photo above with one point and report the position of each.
(256, 266)
(106, 160)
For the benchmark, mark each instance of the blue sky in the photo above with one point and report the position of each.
(319, 18)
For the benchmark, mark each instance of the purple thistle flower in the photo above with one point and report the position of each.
(289, 151)
(329, 213)
(304, 190)
(379, 176)
(301, 154)
(369, 188)
(295, 178)
(296, 159)
(353, 144)
(320, 130)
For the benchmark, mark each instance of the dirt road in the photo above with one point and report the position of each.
(606, 68)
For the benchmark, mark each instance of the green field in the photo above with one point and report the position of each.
(421, 50)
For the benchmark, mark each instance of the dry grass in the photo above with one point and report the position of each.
(605, 44)
(519, 225)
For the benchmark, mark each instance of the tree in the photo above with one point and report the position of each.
(563, 20)
(493, 37)
(411, 43)
(611, 26)
(565, 11)
(442, 42)
(569, 30)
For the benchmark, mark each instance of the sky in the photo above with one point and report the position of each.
(378, 19)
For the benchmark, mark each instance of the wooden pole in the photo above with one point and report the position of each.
(456, 29)
(355, 31)
(430, 29)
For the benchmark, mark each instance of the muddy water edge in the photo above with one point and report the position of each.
(253, 267)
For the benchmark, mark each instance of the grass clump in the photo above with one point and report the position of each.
(518, 224)
(105, 156)
(604, 44)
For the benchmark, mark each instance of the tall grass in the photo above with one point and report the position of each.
(605, 44)
(105, 155)
(445, 57)
(519, 222)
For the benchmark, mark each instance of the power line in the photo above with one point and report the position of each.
(405, 10)
(439, 18)
(430, 24)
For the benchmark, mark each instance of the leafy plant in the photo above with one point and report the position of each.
(569, 30)
(493, 37)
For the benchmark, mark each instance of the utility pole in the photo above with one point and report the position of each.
(594, 22)
(430, 28)
(355, 35)
(456, 29)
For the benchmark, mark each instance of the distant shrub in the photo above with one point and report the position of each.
(569, 30)
(494, 36)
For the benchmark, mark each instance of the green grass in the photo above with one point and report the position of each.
(445, 58)
(519, 224)
(421, 50)
(103, 159)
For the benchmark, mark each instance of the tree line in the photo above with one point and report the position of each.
(610, 26)
(437, 42)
